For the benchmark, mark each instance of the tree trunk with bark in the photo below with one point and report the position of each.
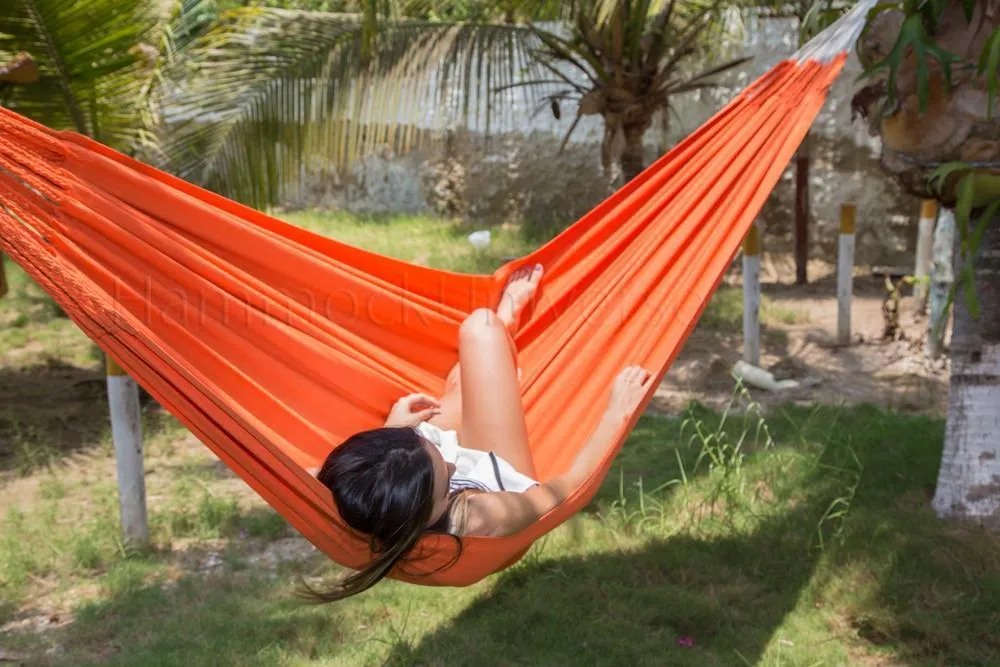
(953, 123)
(969, 479)
(633, 159)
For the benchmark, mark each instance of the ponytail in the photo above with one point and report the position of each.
(383, 485)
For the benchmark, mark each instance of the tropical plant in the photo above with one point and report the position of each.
(631, 59)
(930, 93)
(269, 94)
(265, 94)
(95, 63)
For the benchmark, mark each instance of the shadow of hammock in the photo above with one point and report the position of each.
(929, 590)
(729, 594)
(726, 597)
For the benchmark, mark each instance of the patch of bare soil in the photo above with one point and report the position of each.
(891, 372)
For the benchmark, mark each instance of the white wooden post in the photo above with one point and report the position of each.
(845, 272)
(925, 242)
(751, 296)
(126, 432)
(942, 277)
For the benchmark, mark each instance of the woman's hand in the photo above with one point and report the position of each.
(413, 409)
(628, 390)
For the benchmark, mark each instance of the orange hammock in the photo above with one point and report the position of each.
(272, 343)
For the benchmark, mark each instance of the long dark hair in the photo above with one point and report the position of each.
(383, 484)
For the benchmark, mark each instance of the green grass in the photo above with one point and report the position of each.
(805, 539)
(725, 311)
(33, 328)
(422, 239)
(708, 528)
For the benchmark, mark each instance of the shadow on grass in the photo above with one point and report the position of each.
(788, 580)
(779, 575)
(724, 596)
(51, 410)
(47, 411)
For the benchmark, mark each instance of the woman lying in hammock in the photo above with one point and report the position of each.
(412, 475)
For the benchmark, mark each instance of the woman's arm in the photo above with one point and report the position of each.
(501, 514)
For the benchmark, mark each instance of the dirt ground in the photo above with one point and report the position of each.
(892, 373)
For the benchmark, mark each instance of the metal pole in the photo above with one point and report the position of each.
(751, 296)
(126, 432)
(845, 272)
(925, 242)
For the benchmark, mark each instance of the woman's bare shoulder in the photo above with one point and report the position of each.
(499, 514)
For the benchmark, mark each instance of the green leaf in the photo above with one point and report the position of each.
(989, 61)
(913, 35)
(940, 175)
(968, 280)
(965, 192)
(817, 18)
(969, 193)
(968, 6)
(93, 74)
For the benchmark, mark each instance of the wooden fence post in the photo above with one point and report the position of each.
(126, 432)
(802, 159)
(751, 296)
(845, 272)
(4, 286)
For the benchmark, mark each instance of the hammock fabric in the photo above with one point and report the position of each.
(272, 344)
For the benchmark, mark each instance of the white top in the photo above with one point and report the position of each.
(475, 469)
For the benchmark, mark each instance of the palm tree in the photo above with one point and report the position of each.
(268, 94)
(632, 58)
(93, 59)
(932, 100)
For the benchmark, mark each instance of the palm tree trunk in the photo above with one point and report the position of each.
(969, 479)
(634, 156)
(4, 288)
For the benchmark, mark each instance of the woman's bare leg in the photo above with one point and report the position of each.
(482, 399)
(492, 414)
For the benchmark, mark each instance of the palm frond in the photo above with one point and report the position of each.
(89, 66)
(272, 94)
(573, 54)
(693, 81)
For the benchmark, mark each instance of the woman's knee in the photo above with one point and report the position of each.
(481, 324)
